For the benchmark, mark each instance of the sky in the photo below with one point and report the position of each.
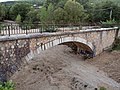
(6, 0)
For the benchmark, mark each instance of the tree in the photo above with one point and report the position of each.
(2, 12)
(54, 2)
(38, 2)
(46, 14)
(74, 11)
(50, 11)
(101, 11)
(83, 2)
(60, 15)
(18, 19)
(33, 16)
(61, 4)
(43, 15)
(20, 8)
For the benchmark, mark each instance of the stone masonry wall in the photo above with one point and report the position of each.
(11, 54)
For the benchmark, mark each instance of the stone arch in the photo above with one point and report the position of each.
(65, 40)
(58, 41)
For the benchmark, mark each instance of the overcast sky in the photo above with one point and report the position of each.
(6, 0)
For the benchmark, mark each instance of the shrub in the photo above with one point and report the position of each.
(103, 88)
(116, 44)
(108, 23)
(2, 26)
(7, 85)
(18, 19)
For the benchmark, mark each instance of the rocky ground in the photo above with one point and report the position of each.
(59, 69)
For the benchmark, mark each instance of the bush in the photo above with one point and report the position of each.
(7, 85)
(108, 23)
(103, 88)
(116, 45)
(2, 26)
(48, 28)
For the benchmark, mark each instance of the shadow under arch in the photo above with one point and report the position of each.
(79, 45)
(51, 43)
(74, 45)
(80, 42)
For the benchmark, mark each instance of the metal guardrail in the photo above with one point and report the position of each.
(14, 29)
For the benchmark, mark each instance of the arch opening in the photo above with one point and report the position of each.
(78, 44)
(79, 48)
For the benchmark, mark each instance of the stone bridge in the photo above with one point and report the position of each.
(17, 49)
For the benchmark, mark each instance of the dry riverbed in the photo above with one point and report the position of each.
(59, 69)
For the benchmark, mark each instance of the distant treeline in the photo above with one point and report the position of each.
(60, 11)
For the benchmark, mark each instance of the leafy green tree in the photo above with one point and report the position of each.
(2, 12)
(7, 16)
(101, 11)
(74, 11)
(60, 15)
(20, 8)
(83, 2)
(37, 2)
(54, 2)
(61, 3)
(33, 16)
(46, 14)
(43, 15)
(50, 11)
(18, 19)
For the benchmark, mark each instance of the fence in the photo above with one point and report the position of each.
(14, 29)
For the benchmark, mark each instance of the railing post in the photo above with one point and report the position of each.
(26, 30)
(40, 28)
(63, 28)
(9, 29)
(0, 30)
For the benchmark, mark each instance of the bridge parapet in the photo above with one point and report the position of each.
(36, 35)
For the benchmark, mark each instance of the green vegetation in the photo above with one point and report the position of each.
(7, 85)
(18, 19)
(116, 44)
(74, 11)
(2, 12)
(109, 23)
(62, 11)
(21, 9)
(103, 88)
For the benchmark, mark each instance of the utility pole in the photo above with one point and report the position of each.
(111, 12)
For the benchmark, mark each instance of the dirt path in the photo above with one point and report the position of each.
(58, 69)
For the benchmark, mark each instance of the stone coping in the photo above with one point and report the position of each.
(38, 35)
